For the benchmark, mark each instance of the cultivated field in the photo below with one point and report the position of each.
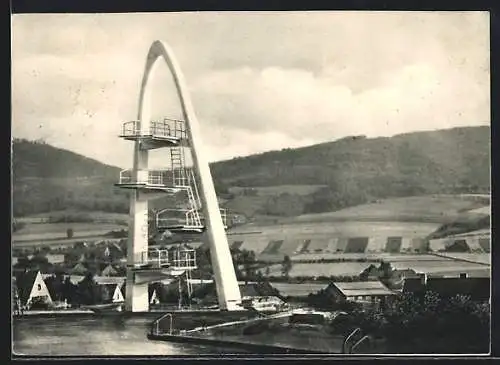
(434, 208)
(279, 189)
(483, 258)
(51, 231)
(428, 264)
(326, 237)
(339, 229)
(95, 216)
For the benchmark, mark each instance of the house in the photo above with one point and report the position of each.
(118, 296)
(79, 269)
(108, 250)
(363, 292)
(297, 291)
(109, 270)
(110, 289)
(477, 288)
(153, 297)
(31, 290)
(110, 293)
(55, 259)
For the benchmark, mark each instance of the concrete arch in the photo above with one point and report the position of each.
(226, 283)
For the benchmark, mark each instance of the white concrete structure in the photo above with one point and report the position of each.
(148, 184)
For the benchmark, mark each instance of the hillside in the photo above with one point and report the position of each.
(46, 178)
(315, 179)
(358, 170)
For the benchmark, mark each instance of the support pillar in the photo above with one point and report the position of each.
(136, 295)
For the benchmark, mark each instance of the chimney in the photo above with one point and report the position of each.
(463, 275)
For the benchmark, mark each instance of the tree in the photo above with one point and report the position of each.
(248, 261)
(385, 272)
(430, 324)
(286, 266)
(69, 291)
(87, 290)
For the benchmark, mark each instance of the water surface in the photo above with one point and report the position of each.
(93, 336)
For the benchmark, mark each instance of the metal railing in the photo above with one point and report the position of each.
(157, 325)
(166, 128)
(184, 217)
(178, 259)
(147, 177)
(181, 176)
(184, 258)
(155, 258)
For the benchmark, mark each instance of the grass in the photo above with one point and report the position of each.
(430, 208)
(97, 215)
(61, 242)
(48, 231)
(279, 189)
(421, 263)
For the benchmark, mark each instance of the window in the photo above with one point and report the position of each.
(39, 287)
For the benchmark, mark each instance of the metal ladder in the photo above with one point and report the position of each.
(178, 168)
(185, 180)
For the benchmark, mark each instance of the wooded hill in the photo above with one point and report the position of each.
(342, 173)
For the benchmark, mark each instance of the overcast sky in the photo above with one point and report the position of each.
(259, 81)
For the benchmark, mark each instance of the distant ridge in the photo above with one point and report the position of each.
(348, 172)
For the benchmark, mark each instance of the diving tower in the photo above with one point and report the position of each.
(201, 213)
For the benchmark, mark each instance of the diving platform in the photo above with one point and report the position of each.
(157, 134)
(162, 263)
(150, 180)
(184, 220)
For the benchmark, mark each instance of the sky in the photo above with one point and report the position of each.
(259, 81)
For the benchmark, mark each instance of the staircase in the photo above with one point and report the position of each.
(185, 180)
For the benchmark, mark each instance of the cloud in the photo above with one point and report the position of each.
(259, 81)
(303, 105)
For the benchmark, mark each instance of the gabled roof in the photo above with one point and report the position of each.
(363, 288)
(477, 288)
(55, 258)
(24, 283)
(106, 280)
(298, 290)
(108, 271)
(79, 268)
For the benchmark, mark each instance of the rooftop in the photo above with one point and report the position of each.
(298, 290)
(363, 288)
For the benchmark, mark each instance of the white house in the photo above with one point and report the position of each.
(31, 289)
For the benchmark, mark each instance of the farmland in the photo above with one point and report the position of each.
(324, 237)
(54, 231)
(432, 265)
(278, 189)
(432, 209)
(74, 215)
(345, 229)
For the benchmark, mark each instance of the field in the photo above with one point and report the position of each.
(483, 258)
(95, 216)
(324, 237)
(430, 264)
(433, 208)
(51, 231)
(279, 189)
